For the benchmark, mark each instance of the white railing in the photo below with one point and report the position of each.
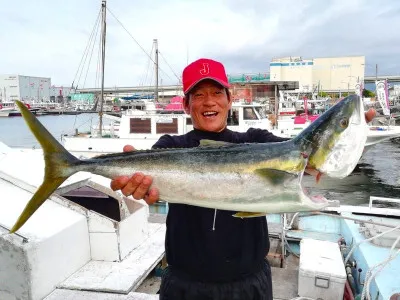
(383, 199)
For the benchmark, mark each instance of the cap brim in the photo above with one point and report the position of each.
(221, 82)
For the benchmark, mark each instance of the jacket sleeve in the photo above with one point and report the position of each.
(264, 136)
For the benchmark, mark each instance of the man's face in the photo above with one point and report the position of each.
(208, 106)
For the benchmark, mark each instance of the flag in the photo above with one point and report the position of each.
(382, 95)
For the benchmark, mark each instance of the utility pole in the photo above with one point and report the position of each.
(376, 72)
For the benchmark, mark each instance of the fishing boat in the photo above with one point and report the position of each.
(5, 112)
(6, 108)
(118, 252)
(142, 128)
(294, 118)
(88, 242)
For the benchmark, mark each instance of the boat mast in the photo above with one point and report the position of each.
(103, 53)
(156, 70)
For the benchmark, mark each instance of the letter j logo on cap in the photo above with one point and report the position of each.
(205, 70)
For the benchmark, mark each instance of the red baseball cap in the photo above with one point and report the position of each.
(201, 69)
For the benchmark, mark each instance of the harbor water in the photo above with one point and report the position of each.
(377, 174)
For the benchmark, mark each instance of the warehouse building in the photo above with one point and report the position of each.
(26, 88)
(330, 74)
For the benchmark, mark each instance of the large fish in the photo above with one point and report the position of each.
(252, 179)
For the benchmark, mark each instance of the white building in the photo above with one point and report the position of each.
(60, 94)
(332, 74)
(60, 91)
(25, 88)
(293, 69)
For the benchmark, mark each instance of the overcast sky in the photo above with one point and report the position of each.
(48, 38)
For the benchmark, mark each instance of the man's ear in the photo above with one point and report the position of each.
(229, 95)
(186, 107)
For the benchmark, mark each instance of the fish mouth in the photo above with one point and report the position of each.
(322, 202)
(319, 199)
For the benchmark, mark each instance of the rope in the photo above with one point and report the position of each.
(367, 240)
(369, 277)
(97, 78)
(90, 59)
(147, 68)
(179, 80)
(86, 49)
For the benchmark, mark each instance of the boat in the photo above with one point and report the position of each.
(293, 119)
(17, 113)
(142, 128)
(118, 244)
(296, 114)
(5, 112)
(72, 248)
(6, 108)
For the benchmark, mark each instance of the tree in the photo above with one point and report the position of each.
(323, 94)
(368, 93)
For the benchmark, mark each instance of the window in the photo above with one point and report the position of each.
(142, 125)
(233, 117)
(249, 114)
(167, 127)
(261, 111)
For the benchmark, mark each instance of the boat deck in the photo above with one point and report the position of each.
(284, 279)
(85, 295)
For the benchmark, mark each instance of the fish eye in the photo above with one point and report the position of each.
(344, 123)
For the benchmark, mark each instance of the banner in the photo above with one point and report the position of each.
(383, 96)
(89, 98)
(359, 88)
(242, 78)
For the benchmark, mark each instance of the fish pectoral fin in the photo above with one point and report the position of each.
(246, 214)
(275, 176)
(214, 144)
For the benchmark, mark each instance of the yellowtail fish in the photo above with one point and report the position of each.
(252, 179)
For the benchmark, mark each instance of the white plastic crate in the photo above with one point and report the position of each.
(321, 273)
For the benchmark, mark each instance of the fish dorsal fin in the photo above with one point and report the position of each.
(275, 176)
(214, 144)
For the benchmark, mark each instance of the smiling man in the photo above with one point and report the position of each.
(210, 254)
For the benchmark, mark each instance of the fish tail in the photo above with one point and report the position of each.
(59, 165)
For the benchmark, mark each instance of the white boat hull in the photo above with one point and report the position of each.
(5, 112)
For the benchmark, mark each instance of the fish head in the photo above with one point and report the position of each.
(336, 140)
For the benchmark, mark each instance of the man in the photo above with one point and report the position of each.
(210, 254)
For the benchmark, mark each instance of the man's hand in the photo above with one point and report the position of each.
(138, 185)
(370, 115)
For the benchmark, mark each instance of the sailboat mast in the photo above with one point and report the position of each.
(103, 55)
(156, 70)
